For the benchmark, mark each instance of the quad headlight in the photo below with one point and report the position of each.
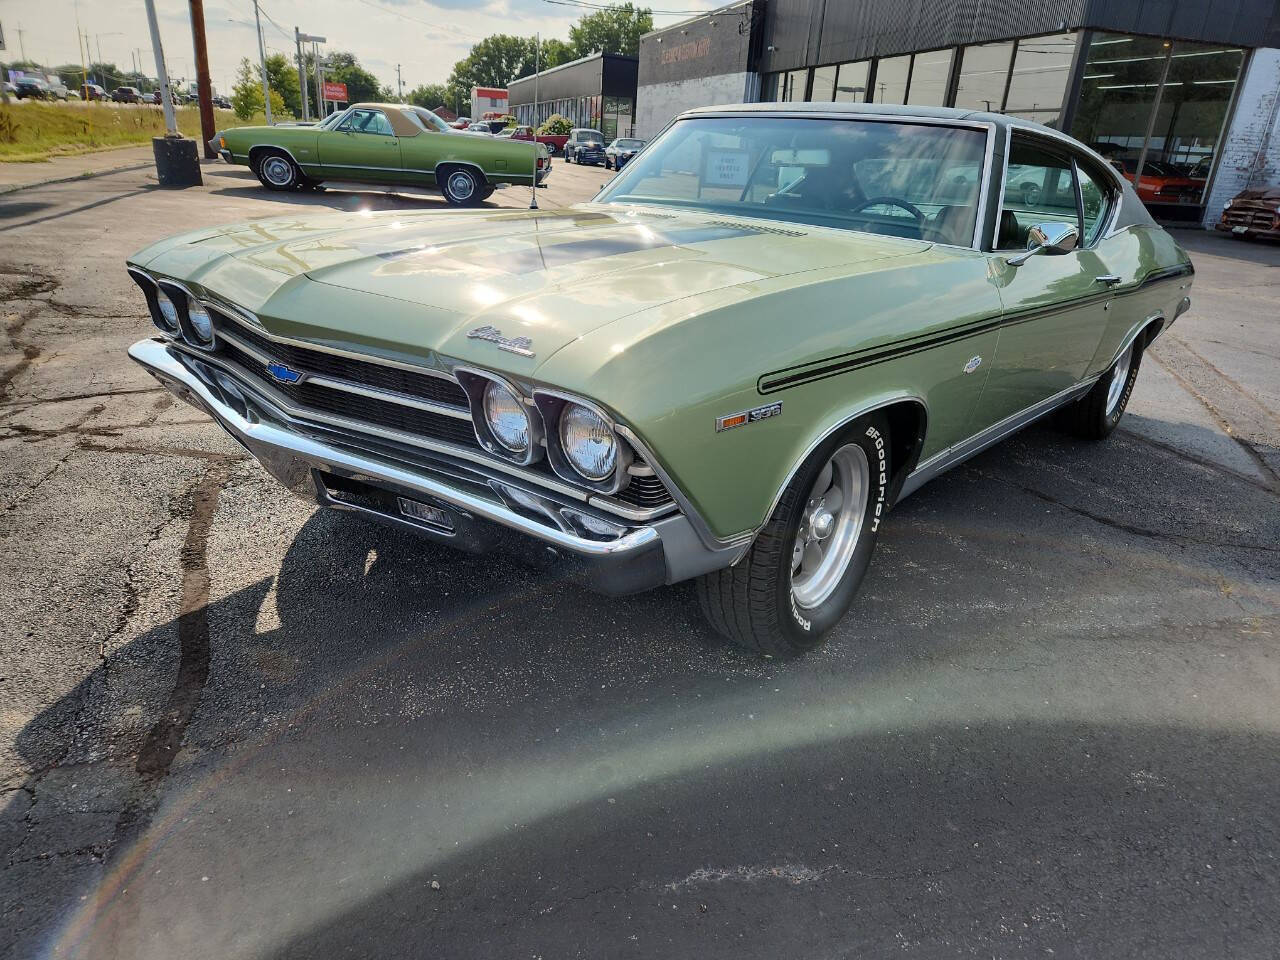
(168, 309)
(588, 442)
(507, 418)
(201, 322)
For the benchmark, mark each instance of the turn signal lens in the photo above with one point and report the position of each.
(588, 442)
(507, 417)
(168, 309)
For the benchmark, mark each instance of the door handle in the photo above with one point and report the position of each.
(1110, 279)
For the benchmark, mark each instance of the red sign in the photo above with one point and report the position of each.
(335, 91)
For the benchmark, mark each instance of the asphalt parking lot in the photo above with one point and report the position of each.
(235, 727)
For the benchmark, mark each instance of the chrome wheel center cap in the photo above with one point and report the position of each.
(821, 524)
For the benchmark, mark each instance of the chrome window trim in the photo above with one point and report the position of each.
(989, 127)
(347, 386)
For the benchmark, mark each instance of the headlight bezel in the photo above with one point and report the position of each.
(151, 291)
(197, 339)
(474, 382)
(551, 404)
(570, 410)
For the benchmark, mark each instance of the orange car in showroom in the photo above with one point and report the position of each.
(1160, 182)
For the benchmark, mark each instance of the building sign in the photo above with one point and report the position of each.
(693, 50)
(335, 91)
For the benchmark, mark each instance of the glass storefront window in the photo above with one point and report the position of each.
(984, 73)
(929, 76)
(1193, 106)
(851, 83)
(824, 84)
(891, 80)
(1041, 69)
(1118, 94)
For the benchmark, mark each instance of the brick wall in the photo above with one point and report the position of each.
(1250, 155)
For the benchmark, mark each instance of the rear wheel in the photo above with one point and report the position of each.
(277, 172)
(801, 574)
(1098, 412)
(462, 186)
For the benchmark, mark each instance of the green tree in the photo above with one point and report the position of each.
(430, 95)
(554, 53)
(616, 29)
(282, 78)
(361, 84)
(493, 62)
(246, 93)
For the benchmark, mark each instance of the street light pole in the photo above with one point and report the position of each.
(166, 95)
(262, 62)
(302, 75)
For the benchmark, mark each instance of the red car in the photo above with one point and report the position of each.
(1160, 183)
(555, 143)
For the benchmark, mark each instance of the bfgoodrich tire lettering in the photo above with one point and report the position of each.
(754, 603)
(1097, 413)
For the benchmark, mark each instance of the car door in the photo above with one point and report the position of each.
(1055, 305)
(363, 146)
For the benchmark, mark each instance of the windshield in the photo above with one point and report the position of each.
(907, 179)
(331, 119)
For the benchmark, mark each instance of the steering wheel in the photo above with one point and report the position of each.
(921, 220)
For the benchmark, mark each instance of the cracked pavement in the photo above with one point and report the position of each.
(234, 727)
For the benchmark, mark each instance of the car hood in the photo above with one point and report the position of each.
(418, 284)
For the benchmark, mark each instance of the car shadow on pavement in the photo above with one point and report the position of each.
(489, 761)
(350, 199)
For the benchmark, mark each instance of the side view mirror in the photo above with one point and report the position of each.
(1052, 238)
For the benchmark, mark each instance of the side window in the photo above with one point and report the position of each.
(1096, 197)
(1039, 188)
(367, 121)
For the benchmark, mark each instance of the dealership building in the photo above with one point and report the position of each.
(1187, 91)
(598, 91)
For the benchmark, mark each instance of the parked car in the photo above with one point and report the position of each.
(126, 95)
(57, 89)
(1252, 214)
(222, 103)
(1160, 183)
(31, 88)
(8, 88)
(584, 146)
(92, 91)
(550, 141)
(620, 151)
(767, 330)
(383, 143)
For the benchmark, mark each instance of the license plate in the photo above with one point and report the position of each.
(1239, 229)
(425, 513)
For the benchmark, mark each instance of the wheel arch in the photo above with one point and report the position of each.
(258, 149)
(448, 164)
(908, 416)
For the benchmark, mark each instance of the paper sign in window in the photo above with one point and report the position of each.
(727, 168)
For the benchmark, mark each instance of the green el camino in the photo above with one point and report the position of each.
(384, 143)
(774, 324)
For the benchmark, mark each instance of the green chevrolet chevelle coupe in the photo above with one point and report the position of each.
(384, 143)
(775, 324)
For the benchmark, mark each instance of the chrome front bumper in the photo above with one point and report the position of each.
(487, 512)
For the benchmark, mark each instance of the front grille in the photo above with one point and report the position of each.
(643, 492)
(422, 386)
(1241, 216)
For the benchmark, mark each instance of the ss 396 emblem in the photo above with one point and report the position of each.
(748, 416)
(973, 364)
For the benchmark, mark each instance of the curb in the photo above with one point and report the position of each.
(87, 175)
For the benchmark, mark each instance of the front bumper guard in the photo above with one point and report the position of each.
(637, 558)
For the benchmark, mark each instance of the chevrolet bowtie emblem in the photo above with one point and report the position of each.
(517, 345)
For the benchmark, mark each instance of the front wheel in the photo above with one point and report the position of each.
(463, 187)
(1097, 413)
(801, 574)
(278, 172)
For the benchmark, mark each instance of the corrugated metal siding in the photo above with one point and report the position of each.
(805, 32)
(611, 74)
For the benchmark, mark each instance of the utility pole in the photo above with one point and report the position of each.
(22, 46)
(537, 148)
(302, 74)
(166, 95)
(262, 61)
(84, 74)
(399, 84)
(204, 85)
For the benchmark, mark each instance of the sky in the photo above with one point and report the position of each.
(425, 38)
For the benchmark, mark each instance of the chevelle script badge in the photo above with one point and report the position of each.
(518, 345)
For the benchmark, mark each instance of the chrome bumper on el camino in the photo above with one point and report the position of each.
(453, 503)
